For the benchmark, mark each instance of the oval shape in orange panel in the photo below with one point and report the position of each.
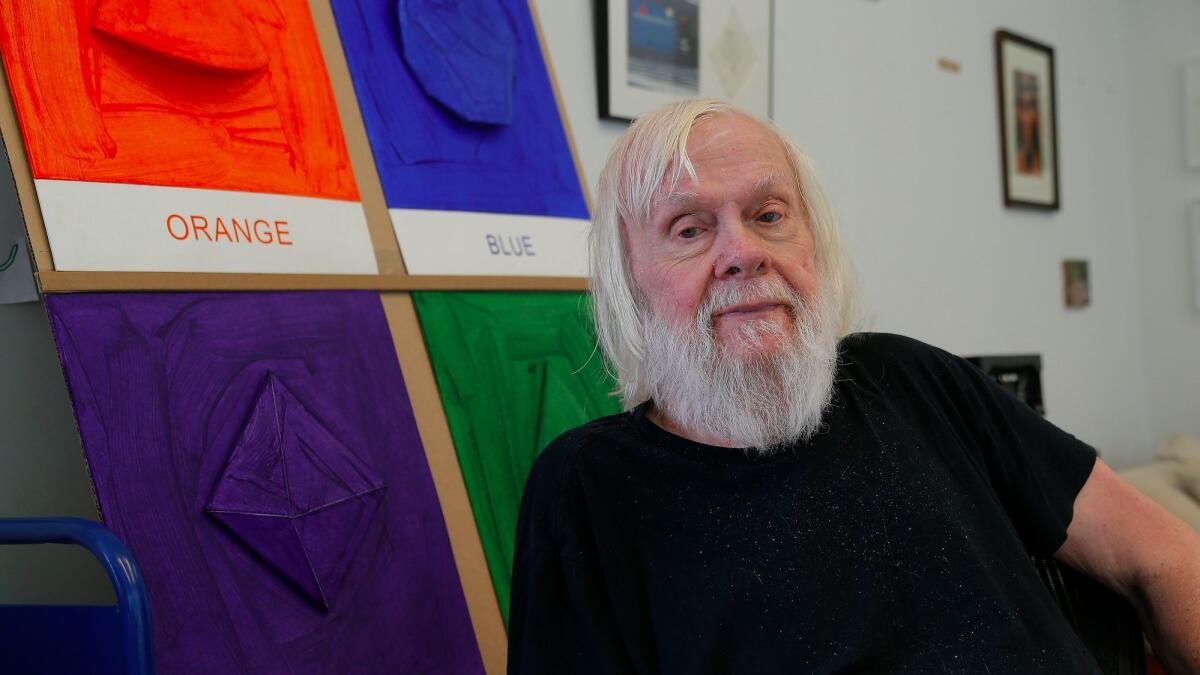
(112, 94)
(204, 33)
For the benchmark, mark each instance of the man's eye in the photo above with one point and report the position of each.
(689, 232)
(770, 217)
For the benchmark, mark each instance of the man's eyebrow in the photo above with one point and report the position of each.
(674, 197)
(772, 180)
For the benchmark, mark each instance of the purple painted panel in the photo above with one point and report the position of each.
(258, 454)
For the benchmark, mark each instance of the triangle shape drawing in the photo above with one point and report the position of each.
(253, 480)
(334, 537)
(275, 541)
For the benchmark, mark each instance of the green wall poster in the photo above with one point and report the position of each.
(514, 370)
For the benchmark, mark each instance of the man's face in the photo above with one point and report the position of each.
(741, 220)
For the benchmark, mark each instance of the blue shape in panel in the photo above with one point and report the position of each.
(462, 53)
(428, 152)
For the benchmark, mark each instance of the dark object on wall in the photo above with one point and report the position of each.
(1028, 127)
(1020, 374)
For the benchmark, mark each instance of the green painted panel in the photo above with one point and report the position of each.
(514, 370)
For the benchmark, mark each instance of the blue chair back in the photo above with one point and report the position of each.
(78, 639)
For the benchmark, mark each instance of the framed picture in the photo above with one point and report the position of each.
(653, 52)
(1076, 290)
(1191, 112)
(1028, 131)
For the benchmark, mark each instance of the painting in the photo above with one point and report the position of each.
(653, 52)
(1028, 130)
(16, 270)
(1077, 292)
(1191, 113)
(223, 106)
(258, 454)
(461, 114)
(514, 371)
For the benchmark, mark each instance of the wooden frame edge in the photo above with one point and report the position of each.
(442, 458)
(77, 282)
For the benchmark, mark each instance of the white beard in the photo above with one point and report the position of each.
(764, 401)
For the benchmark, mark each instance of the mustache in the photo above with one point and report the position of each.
(764, 290)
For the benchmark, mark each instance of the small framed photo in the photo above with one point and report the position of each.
(1028, 130)
(1191, 112)
(652, 52)
(1076, 290)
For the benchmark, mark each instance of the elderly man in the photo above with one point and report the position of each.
(779, 500)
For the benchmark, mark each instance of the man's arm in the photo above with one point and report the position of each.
(1123, 539)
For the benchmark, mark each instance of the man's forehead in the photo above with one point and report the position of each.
(771, 181)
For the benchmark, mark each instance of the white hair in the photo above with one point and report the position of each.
(701, 385)
(654, 150)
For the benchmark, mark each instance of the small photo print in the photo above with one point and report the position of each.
(1076, 290)
(664, 46)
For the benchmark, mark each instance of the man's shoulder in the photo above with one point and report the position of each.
(585, 444)
(883, 347)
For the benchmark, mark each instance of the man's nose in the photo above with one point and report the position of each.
(741, 252)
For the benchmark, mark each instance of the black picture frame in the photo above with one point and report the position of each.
(1028, 114)
(653, 52)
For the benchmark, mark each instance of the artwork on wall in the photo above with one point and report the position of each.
(652, 52)
(1191, 113)
(1076, 288)
(1028, 130)
(258, 454)
(476, 165)
(16, 271)
(183, 135)
(514, 370)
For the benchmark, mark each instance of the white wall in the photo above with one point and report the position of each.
(1163, 35)
(910, 154)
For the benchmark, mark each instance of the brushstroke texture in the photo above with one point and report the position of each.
(168, 391)
(221, 94)
(427, 156)
(462, 54)
(514, 370)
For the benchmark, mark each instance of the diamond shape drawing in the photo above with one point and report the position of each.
(295, 495)
(732, 54)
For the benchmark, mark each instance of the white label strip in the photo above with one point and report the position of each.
(471, 243)
(117, 227)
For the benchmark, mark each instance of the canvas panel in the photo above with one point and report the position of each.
(258, 454)
(514, 371)
(462, 117)
(212, 98)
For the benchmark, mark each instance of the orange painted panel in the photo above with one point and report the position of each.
(221, 94)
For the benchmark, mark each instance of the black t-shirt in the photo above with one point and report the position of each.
(896, 540)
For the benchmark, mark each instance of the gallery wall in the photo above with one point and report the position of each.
(910, 155)
(1163, 35)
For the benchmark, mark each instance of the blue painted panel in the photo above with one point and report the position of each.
(428, 157)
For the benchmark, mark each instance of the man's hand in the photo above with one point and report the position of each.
(1123, 539)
